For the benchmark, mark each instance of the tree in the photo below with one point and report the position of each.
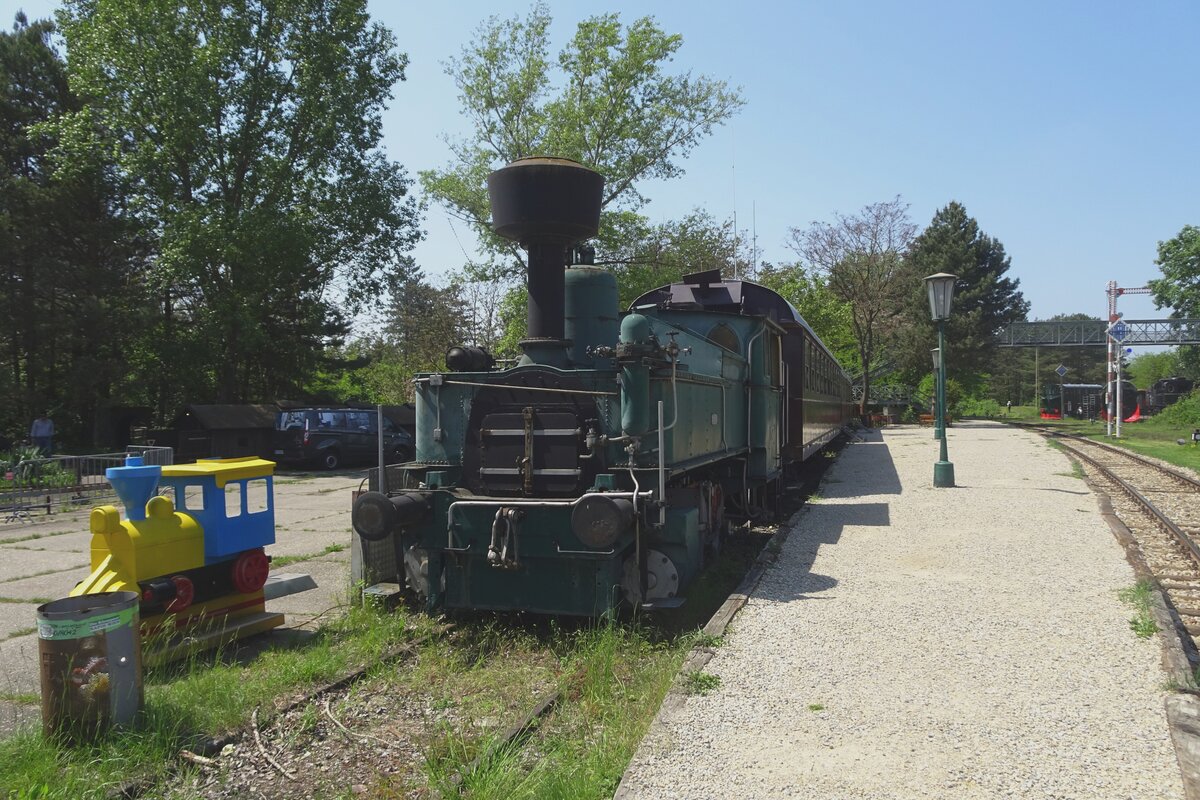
(615, 110)
(649, 256)
(69, 252)
(862, 258)
(1146, 368)
(985, 300)
(830, 317)
(252, 135)
(1179, 287)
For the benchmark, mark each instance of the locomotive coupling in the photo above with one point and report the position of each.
(375, 515)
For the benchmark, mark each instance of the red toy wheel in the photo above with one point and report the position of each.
(250, 571)
(185, 593)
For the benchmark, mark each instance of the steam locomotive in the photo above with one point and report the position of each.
(1130, 409)
(1166, 391)
(599, 470)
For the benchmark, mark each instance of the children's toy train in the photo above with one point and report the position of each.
(597, 472)
(194, 554)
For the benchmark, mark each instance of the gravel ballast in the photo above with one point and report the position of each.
(919, 642)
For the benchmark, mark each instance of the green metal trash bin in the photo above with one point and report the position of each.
(91, 663)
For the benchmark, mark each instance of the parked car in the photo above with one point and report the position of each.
(333, 437)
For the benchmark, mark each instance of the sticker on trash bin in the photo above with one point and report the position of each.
(79, 628)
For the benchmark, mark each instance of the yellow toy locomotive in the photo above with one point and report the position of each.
(194, 554)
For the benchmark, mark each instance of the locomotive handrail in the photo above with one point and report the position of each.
(559, 549)
(511, 501)
(517, 501)
(446, 380)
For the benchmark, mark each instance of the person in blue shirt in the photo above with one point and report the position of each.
(41, 432)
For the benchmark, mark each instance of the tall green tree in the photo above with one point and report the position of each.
(1146, 368)
(830, 317)
(1179, 261)
(69, 254)
(1179, 288)
(985, 297)
(607, 100)
(862, 258)
(648, 256)
(252, 134)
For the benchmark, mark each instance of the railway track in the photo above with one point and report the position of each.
(1161, 508)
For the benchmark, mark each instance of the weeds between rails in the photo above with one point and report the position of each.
(441, 707)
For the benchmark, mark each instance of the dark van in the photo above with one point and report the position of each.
(333, 437)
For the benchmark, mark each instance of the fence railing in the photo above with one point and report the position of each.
(38, 487)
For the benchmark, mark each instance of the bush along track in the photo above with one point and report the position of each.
(398, 704)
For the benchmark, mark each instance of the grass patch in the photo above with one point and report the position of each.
(37, 600)
(283, 561)
(815, 707)
(700, 683)
(1155, 437)
(613, 678)
(702, 639)
(206, 695)
(23, 698)
(20, 632)
(1138, 597)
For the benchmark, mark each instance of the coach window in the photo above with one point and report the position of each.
(773, 359)
(723, 336)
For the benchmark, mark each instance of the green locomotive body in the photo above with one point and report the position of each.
(598, 470)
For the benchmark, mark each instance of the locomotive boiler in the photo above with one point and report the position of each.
(598, 471)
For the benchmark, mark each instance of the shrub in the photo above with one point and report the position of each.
(975, 407)
(1186, 412)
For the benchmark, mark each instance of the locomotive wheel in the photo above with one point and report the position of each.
(185, 593)
(250, 570)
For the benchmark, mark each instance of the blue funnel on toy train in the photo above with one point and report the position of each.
(135, 483)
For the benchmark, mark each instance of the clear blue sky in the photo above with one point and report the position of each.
(1067, 129)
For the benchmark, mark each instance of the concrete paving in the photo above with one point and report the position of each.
(44, 559)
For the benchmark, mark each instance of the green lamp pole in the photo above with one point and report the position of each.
(939, 432)
(941, 294)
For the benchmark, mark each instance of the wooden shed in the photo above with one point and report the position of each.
(224, 431)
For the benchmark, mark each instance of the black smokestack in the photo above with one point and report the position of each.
(547, 205)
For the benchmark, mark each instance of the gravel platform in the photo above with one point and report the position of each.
(913, 642)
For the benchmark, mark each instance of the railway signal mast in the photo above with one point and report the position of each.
(1116, 337)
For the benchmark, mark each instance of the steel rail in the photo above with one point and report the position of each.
(1193, 482)
(1162, 519)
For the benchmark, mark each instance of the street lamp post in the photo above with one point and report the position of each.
(941, 293)
(939, 430)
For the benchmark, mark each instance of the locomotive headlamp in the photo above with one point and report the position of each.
(598, 521)
(941, 293)
(375, 515)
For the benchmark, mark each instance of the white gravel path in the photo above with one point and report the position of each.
(935, 643)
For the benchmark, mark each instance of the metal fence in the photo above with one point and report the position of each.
(34, 488)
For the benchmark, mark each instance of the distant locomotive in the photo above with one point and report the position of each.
(597, 472)
(1130, 410)
(1166, 391)
(1072, 400)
